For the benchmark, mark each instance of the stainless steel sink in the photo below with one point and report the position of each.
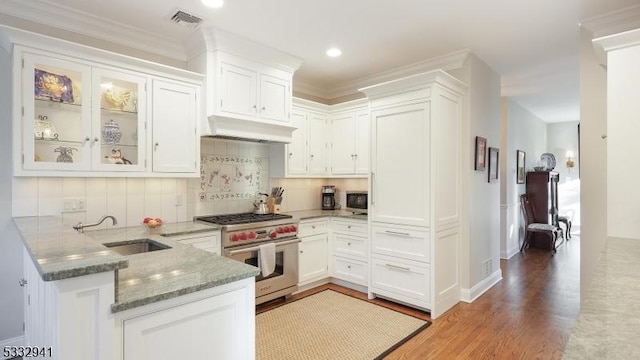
(136, 246)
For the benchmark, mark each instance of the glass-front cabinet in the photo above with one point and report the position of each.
(119, 118)
(78, 117)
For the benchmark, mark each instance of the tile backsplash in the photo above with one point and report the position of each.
(128, 199)
(232, 174)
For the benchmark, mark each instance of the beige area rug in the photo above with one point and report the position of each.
(332, 326)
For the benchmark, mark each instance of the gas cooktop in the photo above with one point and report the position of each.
(242, 218)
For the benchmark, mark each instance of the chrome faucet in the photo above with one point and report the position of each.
(80, 226)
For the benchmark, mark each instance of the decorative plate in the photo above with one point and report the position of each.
(53, 87)
(120, 99)
(549, 161)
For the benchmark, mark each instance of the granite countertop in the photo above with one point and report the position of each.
(60, 252)
(609, 319)
(310, 214)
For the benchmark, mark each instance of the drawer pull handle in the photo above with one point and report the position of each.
(397, 233)
(397, 267)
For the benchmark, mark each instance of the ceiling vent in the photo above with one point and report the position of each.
(185, 19)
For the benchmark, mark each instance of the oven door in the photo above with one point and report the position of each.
(284, 280)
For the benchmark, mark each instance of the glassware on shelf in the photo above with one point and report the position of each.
(43, 129)
(111, 133)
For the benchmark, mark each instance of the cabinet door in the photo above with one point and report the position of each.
(314, 260)
(343, 135)
(362, 142)
(238, 90)
(56, 100)
(275, 98)
(297, 150)
(119, 117)
(175, 141)
(317, 144)
(400, 180)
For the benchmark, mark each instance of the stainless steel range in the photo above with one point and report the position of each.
(242, 235)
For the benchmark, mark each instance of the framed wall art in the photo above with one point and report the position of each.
(520, 166)
(481, 150)
(493, 164)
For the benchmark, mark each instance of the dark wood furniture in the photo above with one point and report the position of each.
(551, 232)
(542, 190)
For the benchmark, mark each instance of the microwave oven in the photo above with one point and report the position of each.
(357, 202)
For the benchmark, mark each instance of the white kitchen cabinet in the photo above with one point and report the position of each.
(71, 317)
(175, 132)
(83, 113)
(296, 152)
(350, 142)
(317, 140)
(251, 90)
(313, 260)
(331, 141)
(208, 241)
(415, 186)
(80, 117)
(207, 328)
(350, 239)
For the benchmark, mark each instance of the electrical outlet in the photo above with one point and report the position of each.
(73, 205)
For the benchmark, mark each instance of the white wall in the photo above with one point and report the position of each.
(563, 137)
(10, 245)
(521, 130)
(623, 141)
(480, 216)
(593, 200)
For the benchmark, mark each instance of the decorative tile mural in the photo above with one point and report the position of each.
(231, 177)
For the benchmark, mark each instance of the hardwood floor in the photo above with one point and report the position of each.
(527, 315)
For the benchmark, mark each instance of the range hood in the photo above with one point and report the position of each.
(247, 130)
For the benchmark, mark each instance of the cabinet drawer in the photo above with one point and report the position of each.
(209, 242)
(313, 227)
(402, 278)
(401, 242)
(349, 245)
(350, 227)
(350, 270)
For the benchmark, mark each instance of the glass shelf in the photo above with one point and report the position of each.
(118, 111)
(57, 104)
(62, 141)
(120, 145)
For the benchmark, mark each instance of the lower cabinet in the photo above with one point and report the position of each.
(209, 241)
(350, 249)
(208, 328)
(313, 260)
(350, 270)
(400, 279)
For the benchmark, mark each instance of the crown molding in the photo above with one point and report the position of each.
(49, 13)
(447, 62)
(219, 40)
(619, 41)
(614, 22)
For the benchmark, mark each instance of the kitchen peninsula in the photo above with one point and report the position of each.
(92, 296)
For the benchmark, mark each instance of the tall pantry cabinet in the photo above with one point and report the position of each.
(414, 193)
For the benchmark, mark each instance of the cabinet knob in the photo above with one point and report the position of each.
(348, 266)
(264, 108)
(22, 282)
(348, 244)
(88, 138)
(301, 252)
(290, 154)
(313, 226)
(96, 139)
(348, 226)
(312, 156)
(255, 106)
(155, 146)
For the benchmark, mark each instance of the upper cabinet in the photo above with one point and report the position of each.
(81, 116)
(249, 87)
(331, 141)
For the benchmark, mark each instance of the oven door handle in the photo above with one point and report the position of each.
(256, 248)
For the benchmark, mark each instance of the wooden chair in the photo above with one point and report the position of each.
(552, 231)
(567, 223)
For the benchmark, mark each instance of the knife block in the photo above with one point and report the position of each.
(271, 205)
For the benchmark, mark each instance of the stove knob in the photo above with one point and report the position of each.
(243, 236)
(234, 237)
(293, 228)
(273, 235)
(252, 235)
(286, 229)
(280, 230)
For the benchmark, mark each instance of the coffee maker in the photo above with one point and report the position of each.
(328, 197)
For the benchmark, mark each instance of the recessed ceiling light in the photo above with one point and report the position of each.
(213, 3)
(334, 52)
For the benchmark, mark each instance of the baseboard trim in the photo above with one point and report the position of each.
(350, 285)
(470, 295)
(509, 255)
(16, 341)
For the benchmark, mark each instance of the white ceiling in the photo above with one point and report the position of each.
(533, 45)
